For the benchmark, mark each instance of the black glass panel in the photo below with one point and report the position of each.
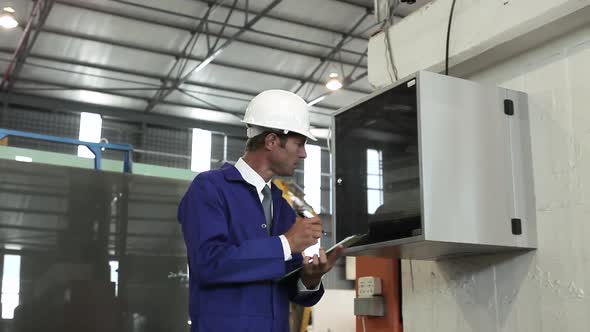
(90, 251)
(377, 173)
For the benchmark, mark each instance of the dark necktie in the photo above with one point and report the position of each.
(266, 206)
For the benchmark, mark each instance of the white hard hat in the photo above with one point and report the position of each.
(279, 109)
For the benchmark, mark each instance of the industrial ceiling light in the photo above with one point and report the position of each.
(7, 18)
(333, 83)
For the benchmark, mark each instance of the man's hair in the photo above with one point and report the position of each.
(257, 141)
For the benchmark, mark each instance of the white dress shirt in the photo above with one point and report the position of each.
(258, 182)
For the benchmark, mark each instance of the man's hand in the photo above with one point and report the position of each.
(314, 268)
(305, 232)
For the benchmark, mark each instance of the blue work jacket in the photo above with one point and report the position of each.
(234, 264)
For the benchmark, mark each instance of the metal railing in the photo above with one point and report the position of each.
(95, 148)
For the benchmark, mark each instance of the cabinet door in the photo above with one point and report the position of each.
(376, 166)
(465, 154)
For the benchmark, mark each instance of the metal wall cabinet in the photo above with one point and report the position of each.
(434, 167)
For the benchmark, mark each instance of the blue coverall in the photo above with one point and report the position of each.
(234, 264)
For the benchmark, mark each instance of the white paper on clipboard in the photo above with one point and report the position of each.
(313, 250)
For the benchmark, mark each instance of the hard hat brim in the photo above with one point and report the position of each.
(307, 134)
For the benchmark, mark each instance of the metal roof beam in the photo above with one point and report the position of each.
(46, 7)
(177, 54)
(181, 62)
(212, 54)
(349, 80)
(40, 11)
(116, 92)
(356, 4)
(332, 52)
(16, 100)
(53, 104)
(129, 72)
(153, 76)
(210, 21)
(288, 20)
(95, 7)
(370, 9)
(104, 40)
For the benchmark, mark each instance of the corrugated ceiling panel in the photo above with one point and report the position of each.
(297, 31)
(342, 98)
(320, 120)
(189, 7)
(9, 38)
(114, 77)
(158, 41)
(4, 61)
(85, 96)
(264, 58)
(117, 28)
(100, 53)
(71, 79)
(208, 101)
(332, 14)
(363, 84)
(197, 113)
(240, 79)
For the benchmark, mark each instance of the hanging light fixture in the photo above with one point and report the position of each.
(334, 83)
(7, 18)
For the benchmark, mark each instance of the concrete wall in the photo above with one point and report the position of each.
(545, 290)
(482, 32)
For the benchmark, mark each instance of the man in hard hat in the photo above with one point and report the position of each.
(242, 236)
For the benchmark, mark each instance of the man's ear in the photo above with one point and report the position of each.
(271, 141)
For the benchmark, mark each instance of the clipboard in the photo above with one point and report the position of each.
(346, 242)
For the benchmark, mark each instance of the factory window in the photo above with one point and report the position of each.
(90, 130)
(201, 150)
(312, 177)
(115, 275)
(374, 180)
(10, 285)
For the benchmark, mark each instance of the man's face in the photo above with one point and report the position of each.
(285, 159)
